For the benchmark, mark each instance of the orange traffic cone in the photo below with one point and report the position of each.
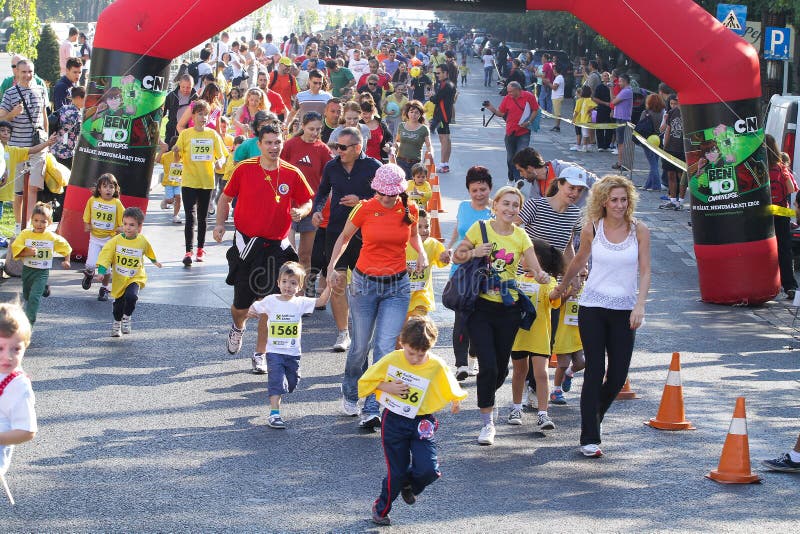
(627, 393)
(436, 230)
(670, 414)
(734, 464)
(430, 164)
(553, 361)
(435, 203)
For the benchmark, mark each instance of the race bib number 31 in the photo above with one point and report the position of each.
(406, 405)
(103, 215)
(202, 149)
(44, 254)
(128, 261)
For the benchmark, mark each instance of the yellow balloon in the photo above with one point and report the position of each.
(654, 140)
(414, 72)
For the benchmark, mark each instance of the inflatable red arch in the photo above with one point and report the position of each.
(715, 73)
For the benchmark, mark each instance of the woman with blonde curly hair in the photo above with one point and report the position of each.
(613, 299)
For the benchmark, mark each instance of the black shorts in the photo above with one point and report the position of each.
(669, 167)
(522, 354)
(440, 125)
(257, 279)
(349, 256)
(319, 261)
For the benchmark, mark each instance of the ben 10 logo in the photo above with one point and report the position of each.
(722, 183)
(115, 129)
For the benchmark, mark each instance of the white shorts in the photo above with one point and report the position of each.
(584, 132)
(37, 162)
(95, 246)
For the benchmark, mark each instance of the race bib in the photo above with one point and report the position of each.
(128, 260)
(175, 172)
(202, 149)
(283, 334)
(530, 288)
(406, 405)
(44, 254)
(103, 215)
(417, 280)
(571, 312)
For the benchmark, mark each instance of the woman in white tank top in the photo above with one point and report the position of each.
(613, 299)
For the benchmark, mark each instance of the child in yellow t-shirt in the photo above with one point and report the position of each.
(229, 163)
(125, 253)
(422, 300)
(171, 179)
(567, 346)
(583, 115)
(102, 218)
(412, 384)
(36, 247)
(534, 344)
(419, 189)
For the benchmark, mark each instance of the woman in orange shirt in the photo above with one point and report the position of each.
(380, 289)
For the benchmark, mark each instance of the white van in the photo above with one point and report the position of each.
(783, 116)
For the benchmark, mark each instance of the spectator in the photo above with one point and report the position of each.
(61, 90)
(623, 107)
(67, 50)
(518, 108)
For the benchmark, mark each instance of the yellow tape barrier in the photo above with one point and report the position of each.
(774, 209)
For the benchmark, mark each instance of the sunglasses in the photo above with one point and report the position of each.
(343, 147)
(372, 84)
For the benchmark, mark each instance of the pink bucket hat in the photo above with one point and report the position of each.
(390, 179)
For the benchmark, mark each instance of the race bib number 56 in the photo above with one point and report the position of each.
(408, 404)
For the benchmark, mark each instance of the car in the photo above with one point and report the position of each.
(516, 48)
(782, 118)
(478, 44)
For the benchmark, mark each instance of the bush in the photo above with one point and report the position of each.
(46, 64)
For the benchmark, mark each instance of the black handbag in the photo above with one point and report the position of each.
(467, 281)
(39, 133)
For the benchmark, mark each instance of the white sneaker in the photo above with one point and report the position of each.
(259, 361)
(591, 451)
(350, 409)
(515, 417)
(582, 148)
(235, 339)
(615, 151)
(116, 329)
(545, 423)
(473, 369)
(462, 373)
(177, 220)
(575, 148)
(342, 342)
(126, 324)
(533, 402)
(486, 437)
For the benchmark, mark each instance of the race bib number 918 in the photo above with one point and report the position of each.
(103, 216)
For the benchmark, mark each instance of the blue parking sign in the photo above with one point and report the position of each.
(733, 17)
(776, 43)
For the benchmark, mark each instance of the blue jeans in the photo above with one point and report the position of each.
(487, 76)
(515, 143)
(545, 99)
(654, 178)
(378, 311)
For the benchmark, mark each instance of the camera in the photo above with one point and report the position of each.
(484, 104)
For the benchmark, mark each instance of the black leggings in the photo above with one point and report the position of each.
(195, 197)
(492, 328)
(461, 346)
(783, 235)
(603, 331)
(125, 304)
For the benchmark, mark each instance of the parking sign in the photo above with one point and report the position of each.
(776, 43)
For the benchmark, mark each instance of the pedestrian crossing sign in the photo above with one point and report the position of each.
(733, 17)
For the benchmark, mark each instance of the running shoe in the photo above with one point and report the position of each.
(473, 369)
(678, 206)
(582, 148)
(235, 339)
(591, 451)
(342, 342)
(486, 437)
(187, 258)
(201, 255)
(545, 423)
(782, 463)
(102, 295)
(557, 397)
(164, 204)
(349, 408)
(116, 329)
(259, 362)
(615, 151)
(126, 324)
(177, 220)
(370, 421)
(46, 292)
(275, 421)
(667, 205)
(443, 169)
(574, 148)
(566, 384)
(378, 519)
(515, 417)
(408, 494)
(462, 373)
(86, 283)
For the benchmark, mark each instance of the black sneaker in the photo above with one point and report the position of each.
(378, 519)
(408, 494)
(370, 421)
(102, 295)
(46, 292)
(783, 463)
(87, 280)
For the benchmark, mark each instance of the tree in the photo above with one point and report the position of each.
(46, 64)
(25, 28)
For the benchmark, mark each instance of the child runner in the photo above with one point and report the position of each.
(534, 344)
(419, 190)
(567, 346)
(411, 384)
(583, 115)
(102, 218)
(422, 300)
(229, 163)
(199, 148)
(125, 252)
(36, 247)
(284, 313)
(173, 175)
(17, 416)
(463, 70)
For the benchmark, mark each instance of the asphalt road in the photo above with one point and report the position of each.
(162, 430)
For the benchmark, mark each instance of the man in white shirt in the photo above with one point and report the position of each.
(557, 96)
(358, 64)
(67, 50)
(220, 47)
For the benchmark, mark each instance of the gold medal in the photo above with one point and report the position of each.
(277, 199)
